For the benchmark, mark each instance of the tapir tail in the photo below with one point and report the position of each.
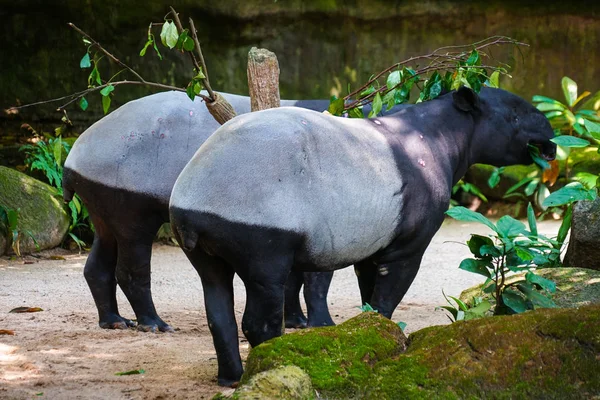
(187, 238)
(68, 191)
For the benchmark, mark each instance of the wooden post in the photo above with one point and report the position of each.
(263, 79)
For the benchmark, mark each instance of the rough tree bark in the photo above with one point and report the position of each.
(263, 79)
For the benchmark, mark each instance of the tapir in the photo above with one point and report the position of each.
(290, 189)
(124, 167)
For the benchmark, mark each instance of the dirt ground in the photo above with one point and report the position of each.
(61, 353)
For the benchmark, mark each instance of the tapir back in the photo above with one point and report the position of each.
(292, 169)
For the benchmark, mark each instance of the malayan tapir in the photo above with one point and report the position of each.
(296, 190)
(124, 167)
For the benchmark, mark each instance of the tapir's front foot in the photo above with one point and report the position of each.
(153, 324)
(115, 321)
(296, 321)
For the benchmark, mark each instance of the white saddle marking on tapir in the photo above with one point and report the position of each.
(142, 146)
(296, 170)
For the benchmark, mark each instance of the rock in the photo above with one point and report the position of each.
(584, 245)
(550, 353)
(41, 209)
(339, 359)
(575, 287)
(286, 382)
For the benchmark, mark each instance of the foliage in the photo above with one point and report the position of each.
(9, 223)
(575, 127)
(445, 69)
(460, 311)
(48, 156)
(512, 249)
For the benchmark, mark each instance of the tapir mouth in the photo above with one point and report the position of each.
(547, 149)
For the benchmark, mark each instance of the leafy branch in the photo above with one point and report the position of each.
(462, 64)
(173, 35)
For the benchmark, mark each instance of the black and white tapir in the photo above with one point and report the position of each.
(124, 167)
(296, 190)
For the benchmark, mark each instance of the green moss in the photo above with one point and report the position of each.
(575, 287)
(339, 359)
(286, 382)
(549, 354)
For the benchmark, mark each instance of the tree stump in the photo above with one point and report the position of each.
(263, 79)
(584, 245)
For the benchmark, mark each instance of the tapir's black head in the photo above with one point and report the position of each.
(505, 126)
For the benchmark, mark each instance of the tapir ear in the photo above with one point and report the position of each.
(465, 99)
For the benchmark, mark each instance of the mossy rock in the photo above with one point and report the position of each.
(41, 210)
(339, 359)
(479, 174)
(542, 354)
(575, 287)
(286, 382)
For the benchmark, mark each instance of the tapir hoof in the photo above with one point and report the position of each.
(296, 321)
(116, 322)
(154, 325)
(232, 383)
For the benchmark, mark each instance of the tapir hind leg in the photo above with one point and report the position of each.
(316, 287)
(392, 282)
(265, 288)
(294, 317)
(217, 284)
(99, 274)
(133, 276)
(366, 273)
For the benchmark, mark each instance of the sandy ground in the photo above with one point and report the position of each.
(61, 353)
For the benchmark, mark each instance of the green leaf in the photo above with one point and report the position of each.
(587, 179)
(546, 284)
(402, 325)
(494, 178)
(156, 48)
(105, 103)
(132, 372)
(490, 288)
(531, 220)
(106, 91)
(490, 250)
(565, 225)
(509, 227)
(544, 99)
(461, 304)
(475, 266)
(593, 128)
(570, 141)
(514, 301)
(148, 44)
(377, 105)
(536, 297)
(574, 191)
(85, 61)
(464, 214)
(13, 219)
(495, 79)
(477, 242)
(189, 90)
(569, 88)
(83, 104)
(169, 35)
(336, 106)
(355, 112)
(544, 107)
(534, 152)
(94, 76)
(393, 80)
(436, 90)
(57, 151)
(473, 58)
(518, 185)
(524, 254)
(188, 44)
(367, 91)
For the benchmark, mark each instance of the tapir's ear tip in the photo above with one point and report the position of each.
(465, 99)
